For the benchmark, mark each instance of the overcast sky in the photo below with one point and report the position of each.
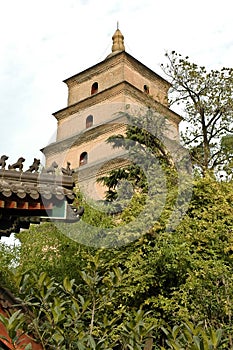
(44, 42)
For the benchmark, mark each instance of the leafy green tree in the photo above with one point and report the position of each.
(185, 274)
(146, 142)
(206, 98)
(67, 315)
(194, 337)
(44, 248)
(155, 186)
(9, 258)
(227, 147)
(50, 247)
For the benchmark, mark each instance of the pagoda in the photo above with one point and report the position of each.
(97, 99)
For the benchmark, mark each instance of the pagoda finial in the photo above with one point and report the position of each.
(118, 40)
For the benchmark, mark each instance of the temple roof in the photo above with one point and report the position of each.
(22, 185)
(31, 197)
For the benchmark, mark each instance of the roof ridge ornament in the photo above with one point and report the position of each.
(35, 195)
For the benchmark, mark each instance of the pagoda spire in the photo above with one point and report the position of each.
(118, 41)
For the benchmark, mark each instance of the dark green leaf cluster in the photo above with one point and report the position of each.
(68, 315)
(145, 142)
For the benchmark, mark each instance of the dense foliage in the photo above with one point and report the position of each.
(9, 260)
(117, 297)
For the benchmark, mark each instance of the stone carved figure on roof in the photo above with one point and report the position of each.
(67, 171)
(3, 161)
(35, 166)
(51, 169)
(17, 165)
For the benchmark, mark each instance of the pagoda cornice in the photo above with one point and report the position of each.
(108, 94)
(97, 169)
(84, 136)
(110, 62)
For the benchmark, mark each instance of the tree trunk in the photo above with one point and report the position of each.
(149, 344)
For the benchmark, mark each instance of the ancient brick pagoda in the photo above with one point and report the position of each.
(97, 98)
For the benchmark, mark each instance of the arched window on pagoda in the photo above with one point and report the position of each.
(146, 89)
(94, 88)
(83, 159)
(89, 121)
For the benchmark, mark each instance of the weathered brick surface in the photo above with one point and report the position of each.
(116, 69)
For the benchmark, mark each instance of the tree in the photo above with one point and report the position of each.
(44, 248)
(185, 274)
(159, 173)
(207, 101)
(9, 258)
(147, 144)
(67, 315)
